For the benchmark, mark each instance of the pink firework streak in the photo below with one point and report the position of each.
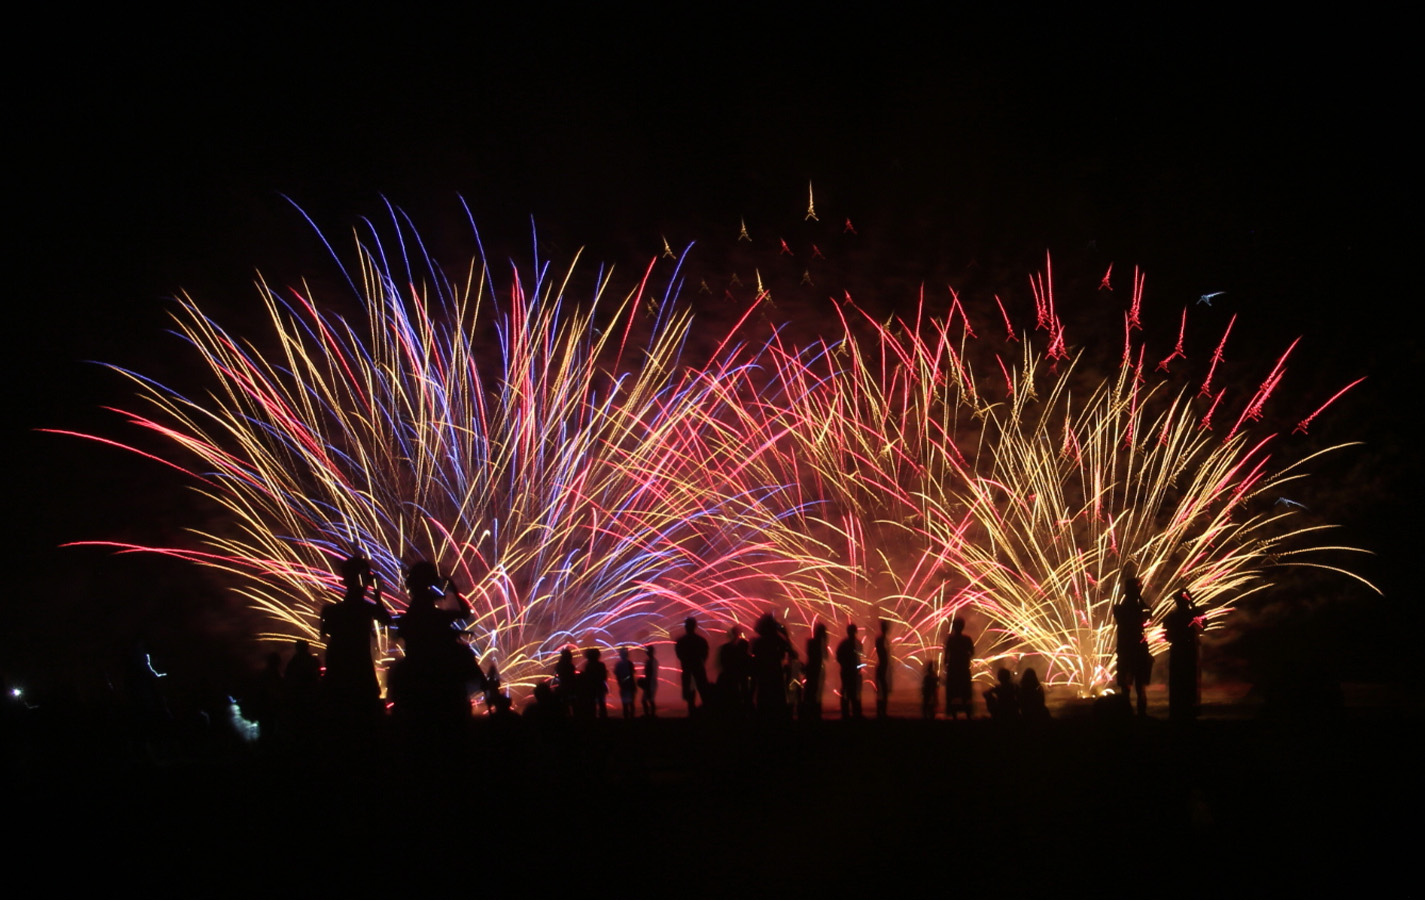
(950, 502)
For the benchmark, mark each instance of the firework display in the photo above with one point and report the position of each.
(1021, 496)
(585, 480)
(561, 463)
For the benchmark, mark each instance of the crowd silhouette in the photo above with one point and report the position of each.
(432, 710)
(435, 683)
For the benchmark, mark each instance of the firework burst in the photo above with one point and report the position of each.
(1021, 495)
(586, 482)
(577, 477)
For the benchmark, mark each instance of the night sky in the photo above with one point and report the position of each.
(154, 157)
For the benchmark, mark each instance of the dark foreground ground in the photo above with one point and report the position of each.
(689, 807)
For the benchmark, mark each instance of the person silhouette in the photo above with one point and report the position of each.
(626, 677)
(815, 671)
(594, 685)
(848, 657)
(734, 674)
(769, 653)
(1182, 624)
(566, 681)
(883, 669)
(649, 682)
(349, 683)
(1002, 700)
(302, 683)
(959, 652)
(795, 681)
(692, 652)
(1135, 661)
(304, 672)
(544, 706)
(433, 680)
(929, 690)
(493, 693)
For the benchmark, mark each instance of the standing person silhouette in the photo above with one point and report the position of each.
(594, 685)
(566, 681)
(692, 652)
(795, 681)
(349, 683)
(769, 678)
(817, 652)
(883, 669)
(650, 682)
(959, 652)
(1131, 616)
(492, 688)
(626, 677)
(734, 674)
(1182, 625)
(302, 685)
(929, 690)
(432, 683)
(848, 657)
